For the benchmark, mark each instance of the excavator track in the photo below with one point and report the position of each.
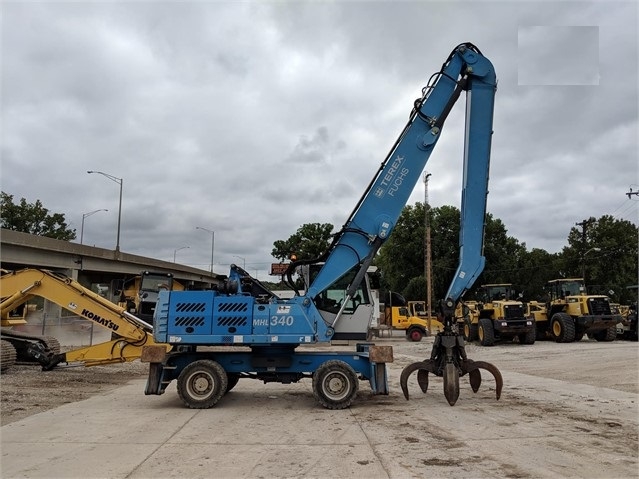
(8, 355)
(30, 348)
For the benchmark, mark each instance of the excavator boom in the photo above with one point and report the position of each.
(130, 333)
(378, 210)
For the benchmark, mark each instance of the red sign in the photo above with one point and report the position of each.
(278, 269)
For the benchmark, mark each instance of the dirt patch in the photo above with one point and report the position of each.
(26, 389)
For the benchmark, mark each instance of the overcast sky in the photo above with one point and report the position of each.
(250, 119)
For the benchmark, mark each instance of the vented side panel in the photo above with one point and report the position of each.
(190, 313)
(233, 315)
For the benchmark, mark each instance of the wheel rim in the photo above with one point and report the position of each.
(481, 333)
(200, 385)
(467, 331)
(336, 385)
(416, 335)
(556, 328)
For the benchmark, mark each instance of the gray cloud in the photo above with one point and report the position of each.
(253, 118)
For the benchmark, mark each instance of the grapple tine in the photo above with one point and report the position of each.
(403, 379)
(423, 368)
(451, 383)
(422, 379)
(499, 382)
(475, 379)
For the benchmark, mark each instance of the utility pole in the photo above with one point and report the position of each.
(427, 261)
(630, 194)
(584, 225)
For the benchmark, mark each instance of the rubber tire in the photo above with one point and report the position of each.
(470, 331)
(528, 338)
(486, 332)
(8, 355)
(414, 334)
(562, 328)
(606, 335)
(201, 384)
(541, 330)
(335, 384)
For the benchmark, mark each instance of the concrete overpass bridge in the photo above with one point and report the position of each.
(100, 270)
(87, 264)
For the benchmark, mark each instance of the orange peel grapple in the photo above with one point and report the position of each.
(449, 361)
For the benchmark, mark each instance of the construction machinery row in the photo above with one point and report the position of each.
(568, 314)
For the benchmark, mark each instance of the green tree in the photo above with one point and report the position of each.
(401, 259)
(604, 252)
(33, 218)
(415, 290)
(310, 241)
(535, 269)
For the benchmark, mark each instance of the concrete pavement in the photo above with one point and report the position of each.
(554, 425)
(257, 430)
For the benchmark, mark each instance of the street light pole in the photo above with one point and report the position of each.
(120, 181)
(84, 216)
(212, 243)
(175, 251)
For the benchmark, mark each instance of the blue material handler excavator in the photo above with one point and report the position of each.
(242, 330)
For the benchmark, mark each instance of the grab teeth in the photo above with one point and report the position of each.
(451, 374)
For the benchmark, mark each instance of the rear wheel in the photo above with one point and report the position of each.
(415, 334)
(563, 328)
(486, 332)
(609, 334)
(201, 384)
(540, 330)
(335, 384)
(470, 330)
(528, 338)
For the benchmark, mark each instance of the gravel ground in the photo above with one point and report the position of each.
(27, 390)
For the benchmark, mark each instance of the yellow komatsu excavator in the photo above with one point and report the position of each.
(129, 333)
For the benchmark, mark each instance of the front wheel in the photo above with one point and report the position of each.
(486, 332)
(335, 384)
(563, 328)
(201, 384)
